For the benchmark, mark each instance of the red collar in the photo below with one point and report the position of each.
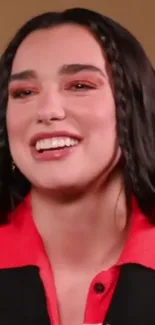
(140, 244)
(20, 241)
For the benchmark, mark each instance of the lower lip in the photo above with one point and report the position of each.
(52, 154)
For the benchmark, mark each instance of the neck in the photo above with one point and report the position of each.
(83, 232)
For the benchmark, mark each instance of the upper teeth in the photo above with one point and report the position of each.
(55, 143)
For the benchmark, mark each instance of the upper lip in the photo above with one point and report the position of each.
(47, 135)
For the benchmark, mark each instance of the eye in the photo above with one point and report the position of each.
(22, 93)
(80, 86)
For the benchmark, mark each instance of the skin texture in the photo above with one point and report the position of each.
(74, 199)
(89, 113)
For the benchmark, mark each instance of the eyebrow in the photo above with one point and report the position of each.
(67, 69)
(23, 75)
(75, 68)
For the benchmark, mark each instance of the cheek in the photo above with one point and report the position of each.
(12, 123)
(105, 110)
(18, 124)
(99, 126)
(97, 113)
(18, 118)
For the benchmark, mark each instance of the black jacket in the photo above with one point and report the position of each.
(23, 302)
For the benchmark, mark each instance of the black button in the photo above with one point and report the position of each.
(99, 287)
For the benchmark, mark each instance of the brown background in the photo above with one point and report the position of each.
(137, 15)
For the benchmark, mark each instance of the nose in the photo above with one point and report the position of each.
(50, 108)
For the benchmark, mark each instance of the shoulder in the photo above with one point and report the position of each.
(139, 247)
(16, 239)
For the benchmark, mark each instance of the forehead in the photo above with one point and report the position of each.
(48, 49)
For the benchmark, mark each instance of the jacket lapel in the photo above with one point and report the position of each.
(133, 302)
(22, 297)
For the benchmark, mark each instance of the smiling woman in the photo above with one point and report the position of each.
(77, 174)
(69, 93)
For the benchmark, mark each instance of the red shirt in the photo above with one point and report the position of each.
(23, 246)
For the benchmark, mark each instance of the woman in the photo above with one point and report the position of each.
(77, 182)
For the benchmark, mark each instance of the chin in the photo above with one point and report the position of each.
(64, 187)
(53, 184)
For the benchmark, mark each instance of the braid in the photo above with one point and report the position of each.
(123, 113)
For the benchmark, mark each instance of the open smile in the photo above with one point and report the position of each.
(51, 147)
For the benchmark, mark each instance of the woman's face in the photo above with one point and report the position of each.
(61, 111)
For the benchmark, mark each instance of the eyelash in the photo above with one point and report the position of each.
(84, 86)
(22, 93)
